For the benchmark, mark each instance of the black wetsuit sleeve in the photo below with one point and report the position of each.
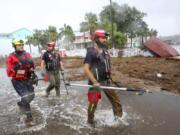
(44, 56)
(90, 55)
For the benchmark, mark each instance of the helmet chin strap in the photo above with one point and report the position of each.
(100, 45)
(18, 52)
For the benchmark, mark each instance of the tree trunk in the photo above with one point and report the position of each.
(39, 49)
(142, 40)
(30, 48)
(131, 42)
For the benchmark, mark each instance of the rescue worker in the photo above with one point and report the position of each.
(97, 68)
(20, 68)
(51, 63)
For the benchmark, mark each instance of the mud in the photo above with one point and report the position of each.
(136, 72)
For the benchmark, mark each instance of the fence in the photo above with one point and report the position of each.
(127, 52)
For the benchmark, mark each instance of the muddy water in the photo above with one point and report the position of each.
(148, 114)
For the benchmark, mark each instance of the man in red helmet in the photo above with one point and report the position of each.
(97, 68)
(20, 68)
(51, 62)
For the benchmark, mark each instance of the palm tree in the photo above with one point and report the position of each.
(51, 33)
(68, 34)
(41, 37)
(29, 42)
(152, 32)
(90, 23)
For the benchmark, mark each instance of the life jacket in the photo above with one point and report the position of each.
(52, 61)
(101, 67)
(19, 66)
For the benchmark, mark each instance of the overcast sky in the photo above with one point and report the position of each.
(162, 15)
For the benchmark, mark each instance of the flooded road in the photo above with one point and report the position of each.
(148, 114)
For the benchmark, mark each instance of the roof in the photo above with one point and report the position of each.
(160, 48)
(22, 29)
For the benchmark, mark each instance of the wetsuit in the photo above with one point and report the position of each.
(100, 66)
(52, 65)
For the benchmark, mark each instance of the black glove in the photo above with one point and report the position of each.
(96, 86)
(34, 78)
(43, 73)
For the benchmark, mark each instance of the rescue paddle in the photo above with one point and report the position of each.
(63, 78)
(140, 91)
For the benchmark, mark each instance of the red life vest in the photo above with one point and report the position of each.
(18, 66)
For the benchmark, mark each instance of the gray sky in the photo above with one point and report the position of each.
(162, 15)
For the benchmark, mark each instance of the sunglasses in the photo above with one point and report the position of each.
(50, 45)
(103, 37)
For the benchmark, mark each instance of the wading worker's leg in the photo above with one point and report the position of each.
(26, 91)
(57, 83)
(93, 98)
(51, 83)
(115, 101)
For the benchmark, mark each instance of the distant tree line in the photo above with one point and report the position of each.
(125, 21)
(41, 37)
(122, 21)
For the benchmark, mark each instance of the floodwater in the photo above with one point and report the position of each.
(154, 113)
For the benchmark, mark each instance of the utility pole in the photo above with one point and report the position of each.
(112, 26)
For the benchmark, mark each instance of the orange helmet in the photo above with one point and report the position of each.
(100, 33)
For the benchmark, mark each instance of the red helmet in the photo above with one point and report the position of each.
(101, 33)
(51, 43)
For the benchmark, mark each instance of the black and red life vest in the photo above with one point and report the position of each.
(101, 66)
(52, 61)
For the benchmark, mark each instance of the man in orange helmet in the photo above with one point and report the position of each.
(51, 62)
(97, 67)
